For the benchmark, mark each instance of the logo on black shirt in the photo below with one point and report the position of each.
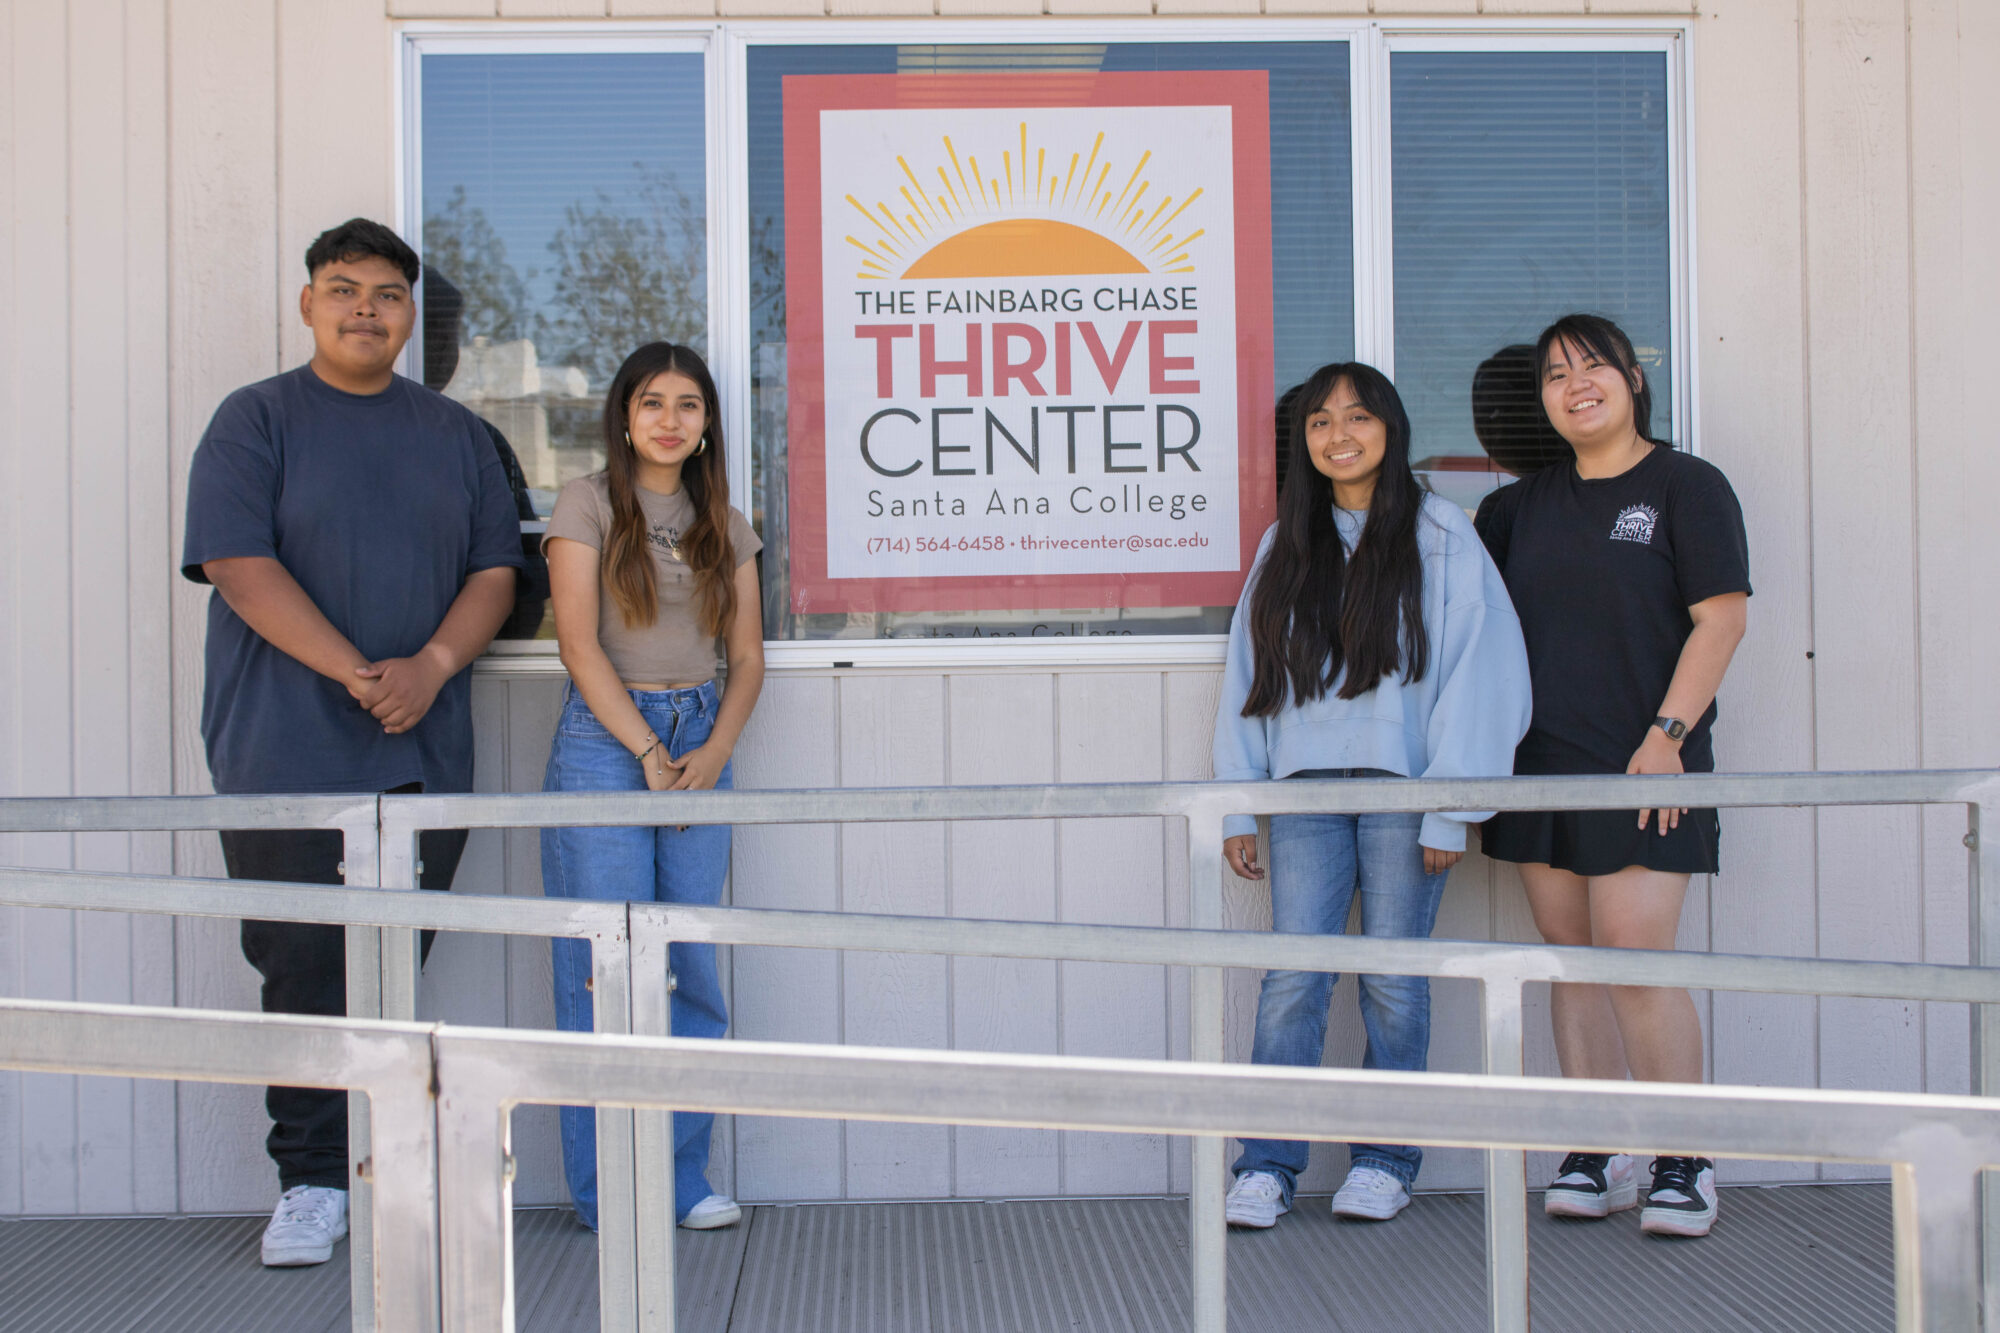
(1635, 524)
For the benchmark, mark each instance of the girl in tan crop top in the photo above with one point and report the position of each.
(649, 566)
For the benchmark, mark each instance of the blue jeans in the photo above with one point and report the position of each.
(662, 864)
(1317, 864)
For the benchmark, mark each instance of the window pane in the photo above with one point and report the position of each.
(564, 223)
(1311, 312)
(1527, 185)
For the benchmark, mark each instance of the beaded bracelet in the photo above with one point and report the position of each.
(641, 756)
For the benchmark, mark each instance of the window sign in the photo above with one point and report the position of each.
(1287, 204)
(1031, 340)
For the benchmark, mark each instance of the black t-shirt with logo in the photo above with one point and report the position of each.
(1602, 573)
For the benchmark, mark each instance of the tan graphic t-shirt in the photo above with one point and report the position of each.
(673, 649)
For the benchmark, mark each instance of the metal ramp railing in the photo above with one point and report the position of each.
(633, 989)
(444, 1237)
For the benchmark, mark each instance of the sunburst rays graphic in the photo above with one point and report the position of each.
(1023, 217)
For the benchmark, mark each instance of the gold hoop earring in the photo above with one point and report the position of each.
(628, 439)
(703, 445)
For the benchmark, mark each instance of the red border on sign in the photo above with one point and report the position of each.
(1246, 93)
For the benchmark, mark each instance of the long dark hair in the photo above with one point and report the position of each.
(1607, 342)
(1315, 610)
(628, 564)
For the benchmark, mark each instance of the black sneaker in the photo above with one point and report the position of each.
(1592, 1184)
(1682, 1200)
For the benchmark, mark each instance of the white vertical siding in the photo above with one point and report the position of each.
(163, 167)
(39, 942)
(1111, 871)
(789, 994)
(1864, 549)
(221, 113)
(117, 527)
(83, 603)
(1187, 726)
(1955, 274)
(12, 55)
(1002, 730)
(148, 460)
(892, 733)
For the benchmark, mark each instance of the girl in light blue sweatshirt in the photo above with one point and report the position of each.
(1373, 639)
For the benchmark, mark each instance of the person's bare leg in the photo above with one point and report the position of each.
(1639, 908)
(1586, 1029)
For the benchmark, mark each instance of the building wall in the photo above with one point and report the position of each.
(163, 167)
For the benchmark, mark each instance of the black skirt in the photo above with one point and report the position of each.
(1603, 842)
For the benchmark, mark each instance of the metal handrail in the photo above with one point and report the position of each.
(457, 1214)
(190, 814)
(846, 805)
(635, 1232)
(975, 937)
(1203, 805)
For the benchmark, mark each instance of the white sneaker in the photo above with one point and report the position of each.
(1371, 1193)
(1257, 1199)
(1592, 1185)
(717, 1210)
(303, 1230)
(1682, 1200)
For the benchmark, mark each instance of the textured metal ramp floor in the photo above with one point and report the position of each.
(1782, 1260)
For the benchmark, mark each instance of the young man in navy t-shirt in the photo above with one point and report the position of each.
(362, 542)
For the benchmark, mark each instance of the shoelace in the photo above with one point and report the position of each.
(1674, 1173)
(1582, 1163)
(299, 1206)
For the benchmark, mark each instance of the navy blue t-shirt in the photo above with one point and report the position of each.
(381, 506)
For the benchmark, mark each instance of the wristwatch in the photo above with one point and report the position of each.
(1673, 726)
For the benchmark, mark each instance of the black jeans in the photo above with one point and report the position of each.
(304, 968)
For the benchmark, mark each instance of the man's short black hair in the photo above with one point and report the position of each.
(359, 238)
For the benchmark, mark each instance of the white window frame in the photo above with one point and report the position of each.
(726, 46)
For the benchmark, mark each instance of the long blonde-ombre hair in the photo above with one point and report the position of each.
(705, 546)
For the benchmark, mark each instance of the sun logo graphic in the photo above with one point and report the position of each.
(1635, 524)
(1029, 211)
(1028, 193)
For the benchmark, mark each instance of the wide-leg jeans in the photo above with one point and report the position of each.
(1318, 864)
(664, 864)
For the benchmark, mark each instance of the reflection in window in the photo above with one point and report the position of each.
(1311, 261)
(1527, 185)
(564, 223)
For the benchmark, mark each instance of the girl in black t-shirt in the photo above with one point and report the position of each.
(1628, 566)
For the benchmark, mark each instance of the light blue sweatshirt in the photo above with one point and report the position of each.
(1463, 719)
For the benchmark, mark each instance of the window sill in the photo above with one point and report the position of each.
(1120, 653)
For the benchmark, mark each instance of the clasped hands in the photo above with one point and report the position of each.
(398, 691)
(697, 770)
